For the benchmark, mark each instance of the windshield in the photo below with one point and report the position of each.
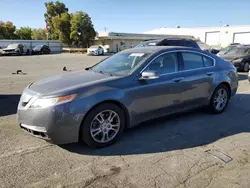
(122, 63)
(238, 51)
(38, 47)
(12, 46)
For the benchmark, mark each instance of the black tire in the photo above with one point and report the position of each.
(246, 67)
(86, 124)
(212, 106)
(18, 53)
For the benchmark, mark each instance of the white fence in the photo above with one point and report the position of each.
(54, 45)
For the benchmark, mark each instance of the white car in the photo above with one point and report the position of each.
(16, 49)
(95, 50)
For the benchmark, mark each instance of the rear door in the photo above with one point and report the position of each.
(198, 71)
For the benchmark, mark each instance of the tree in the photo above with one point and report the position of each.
(7, 30)
(53, 10)
(61, 25)
(82, 29)
(24, 33)
(38, 34)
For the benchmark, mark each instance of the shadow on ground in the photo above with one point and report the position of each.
(182, 131)
(8, 104)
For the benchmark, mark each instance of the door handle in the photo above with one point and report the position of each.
(178, 79)
(209, 73)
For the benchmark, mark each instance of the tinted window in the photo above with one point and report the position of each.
(196, 61)
(208, 62)
(167, 63)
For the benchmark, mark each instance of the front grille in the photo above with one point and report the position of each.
(9, 50)
(36, 133)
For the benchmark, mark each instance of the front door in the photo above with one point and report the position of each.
(160, 96)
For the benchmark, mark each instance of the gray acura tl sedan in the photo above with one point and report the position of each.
(96, 104)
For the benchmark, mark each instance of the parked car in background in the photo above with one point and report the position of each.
(16, 49)
(41, 49)
(239, 56)
(227, 49)
(169, 42)
(249, 76)
(213, 50)
(95, 50)
(96, 104)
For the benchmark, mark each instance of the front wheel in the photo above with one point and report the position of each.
(219, 99)
(246, 67)
(103, 125)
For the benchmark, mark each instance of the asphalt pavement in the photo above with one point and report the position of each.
(193, 149)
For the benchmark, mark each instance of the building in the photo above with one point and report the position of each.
(119, 41)
(213, 36)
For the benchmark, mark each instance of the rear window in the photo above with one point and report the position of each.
(195, 61)
(186, 43)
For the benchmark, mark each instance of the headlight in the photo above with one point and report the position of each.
(46, 102)
(237, 60)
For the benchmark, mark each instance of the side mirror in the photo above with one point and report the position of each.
(149, 75)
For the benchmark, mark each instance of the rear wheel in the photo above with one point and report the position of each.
(103, 125)
(219, 99)
(246, 67)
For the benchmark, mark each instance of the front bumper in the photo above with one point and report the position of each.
(9, 53)
(58, 124)
(92, 53)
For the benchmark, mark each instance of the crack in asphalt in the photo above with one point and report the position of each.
(26, 151)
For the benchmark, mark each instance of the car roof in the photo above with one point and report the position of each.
(158, 40)
(153, 49)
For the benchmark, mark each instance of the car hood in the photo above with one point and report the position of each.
(230, 57)
(92, 48)
(67, 82)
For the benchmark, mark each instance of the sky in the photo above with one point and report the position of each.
(135, 16)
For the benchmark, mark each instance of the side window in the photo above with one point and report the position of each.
(195, 61)
(167, 63)
(208, 62)
(192, 61)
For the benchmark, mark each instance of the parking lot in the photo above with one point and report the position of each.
(173, 152)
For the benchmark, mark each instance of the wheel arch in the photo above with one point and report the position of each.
(227, 85)
(118, 103)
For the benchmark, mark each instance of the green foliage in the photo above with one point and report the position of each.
(82, 30)
(61, 25)
(39, 34)
(24, 33)
(76, 28)
(54, 10)
(7, 30)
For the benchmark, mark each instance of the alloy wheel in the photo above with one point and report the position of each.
(220, 99)
(105, 126)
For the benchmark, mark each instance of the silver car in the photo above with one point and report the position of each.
(96, 104)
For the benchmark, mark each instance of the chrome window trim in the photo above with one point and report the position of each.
(176, 51)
